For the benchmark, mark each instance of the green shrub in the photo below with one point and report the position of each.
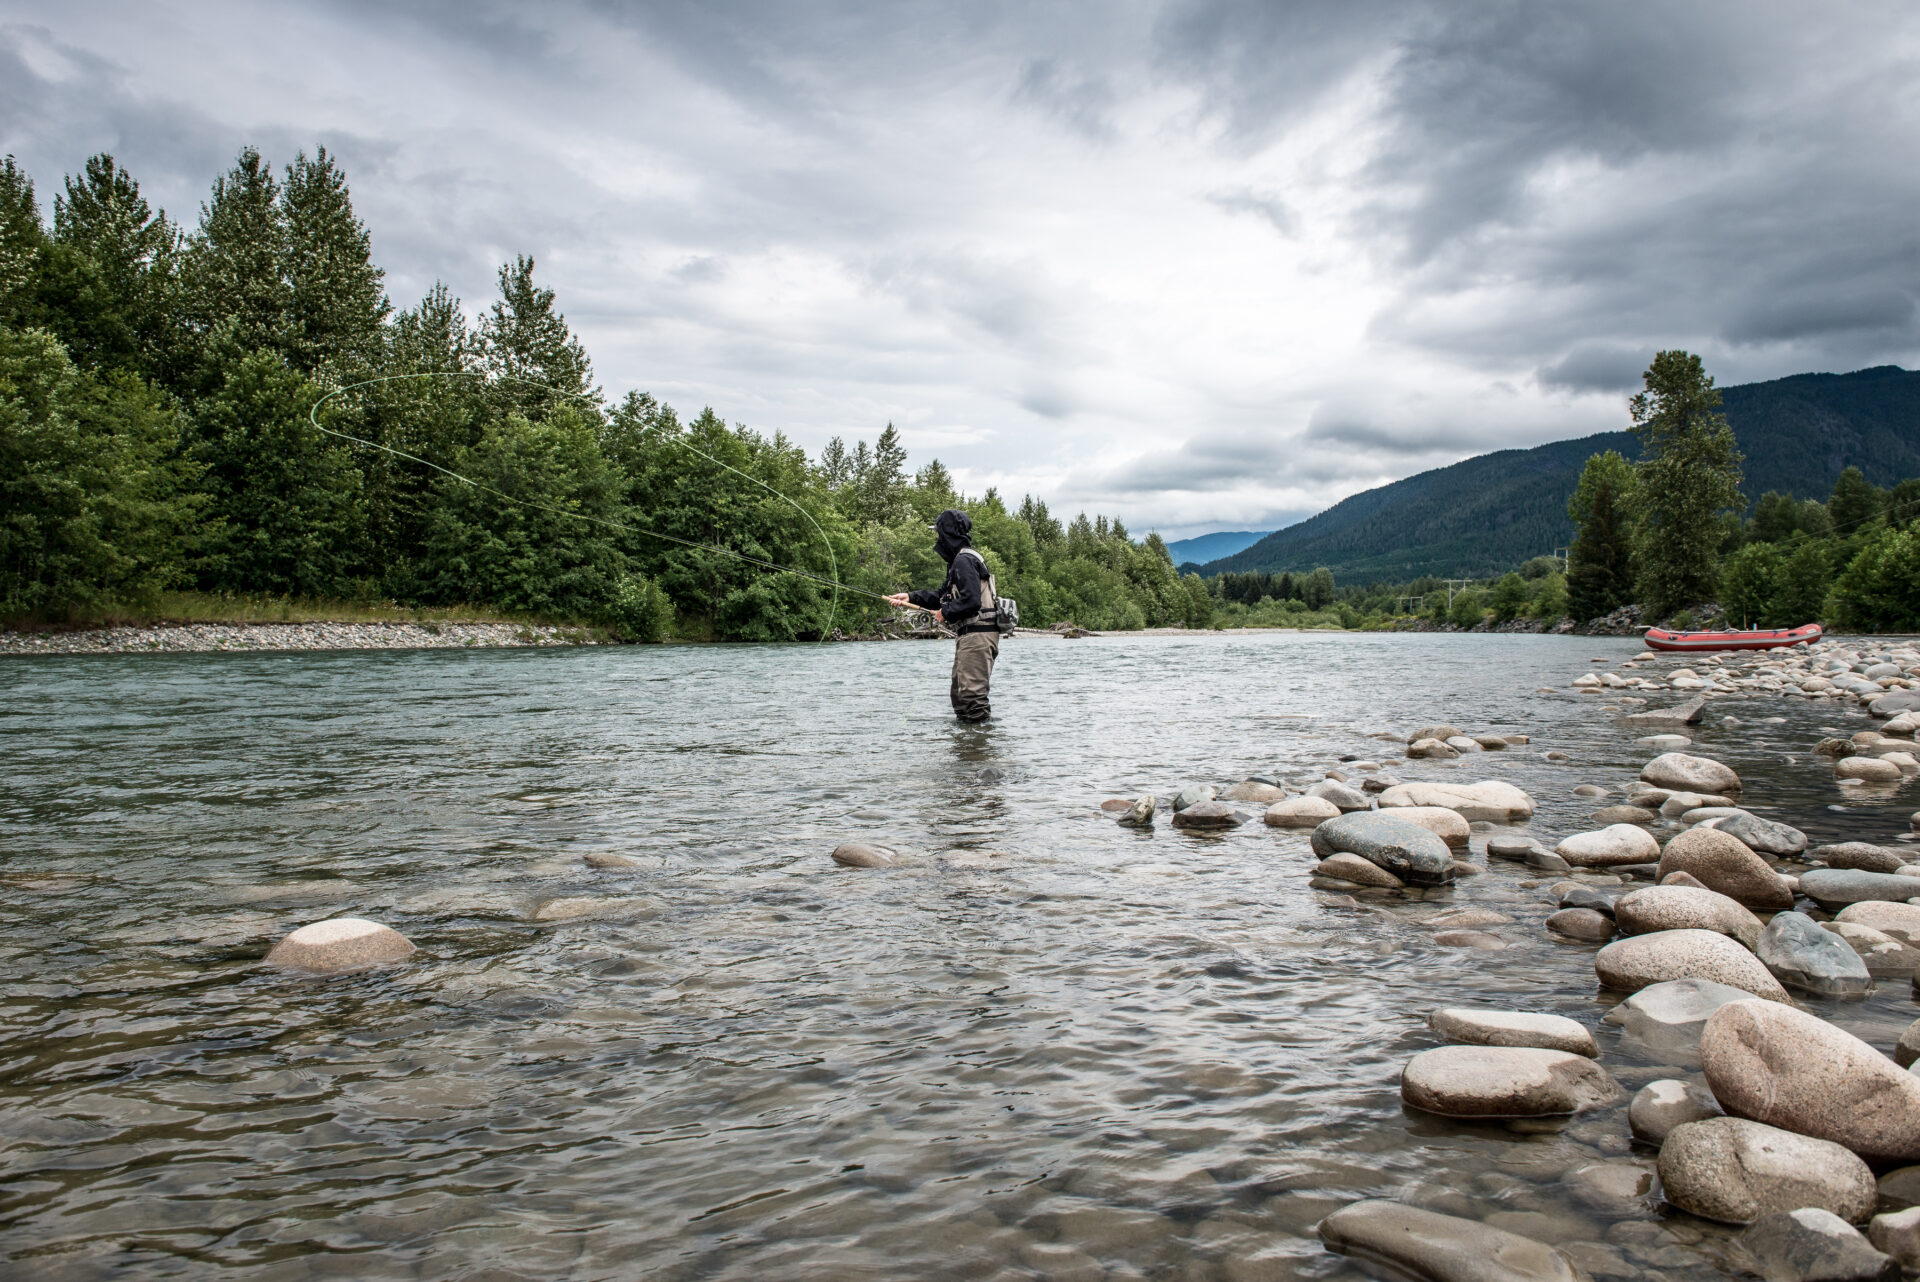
(639, 610)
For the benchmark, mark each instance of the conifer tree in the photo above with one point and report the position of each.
(236, 261)
(1855, 502)
(1599, 578)
(524, 338)
(23, 239)
(108, 278)
(1689, 481)
(335, 305)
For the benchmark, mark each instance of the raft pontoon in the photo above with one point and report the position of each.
(1733, 639)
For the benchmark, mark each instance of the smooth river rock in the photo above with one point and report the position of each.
(1254, 791)
(1208, 814)
(1866, 770)
(858, 854)
(1812, 1245)
(1584, 924)
(1859, 855)
(1192, 795)
(1504, 1081)
(1491, 800)
(1301, 812)
(1449, 826)
(1608, 815)
(1636, 961)
(1735, 1171)
(1764, 836)
(1812, 960)
(1431, 749)
(1685, 773)
(1660, 1106)
(340, 944)
(1431, 1247)
(1837, 888)
(1360, 872)
(1513, 1028)
(591, 908)
(1621, 843)
(607, 859)
(1139, 814)
(1724, 863)
(1884, 956)
(1782, 1066)
(1405, 849)
(1898, 1234)
(1678, 907)
(1341, 795)
(1902, 921)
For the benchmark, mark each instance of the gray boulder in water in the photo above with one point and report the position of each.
(1403, 848)
(1812, 1243)
(1140, 814)
(1193, 795)
(1208, 814)
(1416, 1243)
(1803, 956)
(1764, 835)
(1834, 888)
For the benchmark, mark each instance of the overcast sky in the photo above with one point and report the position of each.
(1205, 265)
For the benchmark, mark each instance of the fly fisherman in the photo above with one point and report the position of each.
(967, 603)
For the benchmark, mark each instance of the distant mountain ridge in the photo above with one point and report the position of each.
(1489, 513)
(1202, 548)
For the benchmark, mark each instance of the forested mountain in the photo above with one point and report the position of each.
(1492, 512)
(1209, 547)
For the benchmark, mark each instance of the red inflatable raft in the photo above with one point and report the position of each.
(1769, 639)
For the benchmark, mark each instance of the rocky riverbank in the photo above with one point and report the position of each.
(176, 638)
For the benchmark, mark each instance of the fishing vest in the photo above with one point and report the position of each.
(997, 613)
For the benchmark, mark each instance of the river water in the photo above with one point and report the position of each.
(1104, 1054)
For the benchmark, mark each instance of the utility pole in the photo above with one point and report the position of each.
(1453, 585)
(1562, 554)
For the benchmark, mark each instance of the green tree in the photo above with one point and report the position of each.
(1599, 561)
(1880, 589)
(1806, 577)
(1318, 589)
(1509, 597)
(23, 239)
(1855, 502)
(107, 278)
(1749, 582)
(527, 343)
(878, 491)
(1469, 608)
(233, 274)
(334, 301)
(1689, 481)
(1550, 600)
(96, 505)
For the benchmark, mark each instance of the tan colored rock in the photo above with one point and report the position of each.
(1360, 872)
(1251, 790)
(1884, 956)
(1448, 825)
(608, 860)
(1860, 855)
(1431, 749)
(1866, 769)
(1660, 1106)
(1683, 772)
(1491, 800)
(1779, 1065)
(1301, 812)
(1417, 1243)
(1632, 963)
(1898, 1234)
(1504, 1081)
(1726, 864)
(590, 908)
(1513, 1028)
(858, 854)
(1583, 924)
(1902, 921)
(340, 944)
(1469, 939)
(1621, 843)
(1679, 907)
(1735, 1171)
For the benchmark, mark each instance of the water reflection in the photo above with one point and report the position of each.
(1131, 1052)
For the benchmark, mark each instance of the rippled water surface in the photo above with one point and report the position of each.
(1106, 1053)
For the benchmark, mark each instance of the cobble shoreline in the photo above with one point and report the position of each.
(183, 638)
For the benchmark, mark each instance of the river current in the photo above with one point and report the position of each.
(1106, 1054)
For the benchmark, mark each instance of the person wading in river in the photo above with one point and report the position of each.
(967, 603)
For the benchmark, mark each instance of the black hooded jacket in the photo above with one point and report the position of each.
(958, 598)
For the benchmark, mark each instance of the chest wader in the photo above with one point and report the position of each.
(975, 651)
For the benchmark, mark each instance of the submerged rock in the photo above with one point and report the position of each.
(1735, 1171)
(1406, 850)
(1608, 815)
(1443, 1248)
(1724, 863)
(1676, 907)
(1634, 962)
(1513, 1028)
(1669, 1017)
(1301, 812)
(605, 859)
(1690, 713)
(858, 854)
(1469, 939)
(1803, 956)
(1813, 1245)
(1504, 1081)
(1684, 773)
(1361, 872)
(340, 944)
(1208, 814)
(1491, 800)
(1139, 814)
(1512, 848)
(1192, 795)
(1779, 1065)
(1660, 1106)
(1858, 855)
(1252, 790)
(591, 908)
(1583, 924)
(1837, 888)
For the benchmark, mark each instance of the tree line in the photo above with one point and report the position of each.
(156, 384)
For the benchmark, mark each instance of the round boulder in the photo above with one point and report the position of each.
(1677, 907)
(1352, 868)
(1417, 1243)
(1902, 921)
(1883, 955)
(1660, 1106)
(1669, 1017)
(1491, 800)
(1583, 924)
(1810, 1243)
(1624, 815)
(1837, 888)
(1724, 863)
(1779, 1065)
(1860, 855)
(1192, 795)
(1255, 791)
(1636, 961)
(1504, 1081)
(858, 854)
(1620, 843)
(1208, 814)
(1341, 795)
(1684, 773)
(1735, 1171)
(1513, 1028)
(1764, 835)
(1866, 770)
(1448, 825)
(1431, 749)
(1406, 850)
(1301, 812)
(340, 944)
(1812, 960)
